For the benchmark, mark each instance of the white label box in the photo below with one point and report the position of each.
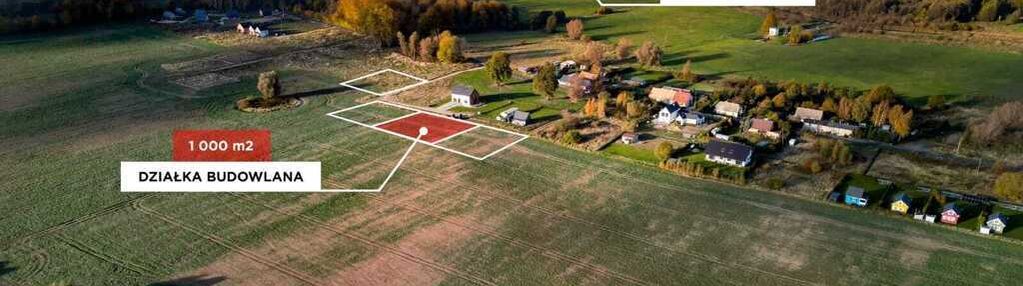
(214, 177)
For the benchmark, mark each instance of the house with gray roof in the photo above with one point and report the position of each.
(729, 153)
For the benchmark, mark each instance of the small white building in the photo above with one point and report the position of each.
(691, 118)
(465, 96)
(520, 118)
(997, 222)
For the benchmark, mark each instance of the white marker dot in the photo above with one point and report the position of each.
(423, 131)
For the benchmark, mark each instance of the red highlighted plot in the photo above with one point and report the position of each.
(439, 127)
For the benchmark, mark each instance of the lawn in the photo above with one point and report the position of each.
(634, 153)
(518, 93)
(537, 214)
(718, 41)
(875, 192)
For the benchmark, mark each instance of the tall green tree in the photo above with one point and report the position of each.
(546, 82)
(499, 68)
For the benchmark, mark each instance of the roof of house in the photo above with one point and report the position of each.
(999, 217)
(683, 96)
(854, 191)
(809, 113)
(730, 150)
(728, 107)
(765, 125)
(663, 94)
(692, 115)
(462, 90)
(951, 207)
(902, 197)
(672, 108)
(520, 116)
(833, 124)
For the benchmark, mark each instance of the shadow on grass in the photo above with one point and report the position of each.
(677, 59)
(317, 92)
(506, 96)
(614, 35)
(4, 269)
(198, 280)
(536, 54)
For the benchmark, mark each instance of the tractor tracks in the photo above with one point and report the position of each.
(392, 250)
(301, 276)
(550, 253)
(75, 221)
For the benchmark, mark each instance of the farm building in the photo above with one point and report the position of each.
(763, 127)
(997, 222)
(729, 109)
(570, 80)
(671, 95)
(856, 196)
(803, 113)
(668, 114)
(691, 118)
(729, 153)
(506, 115)
(465, 96)
(830, 127)
(950, 214)
(901, 203)
(630, 138)
(520, 118)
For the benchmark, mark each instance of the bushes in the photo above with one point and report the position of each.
(716, 172)
(574, 29)
(664, 150)
(572, 137)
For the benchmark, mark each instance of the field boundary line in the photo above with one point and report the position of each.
(301, 276)
(336, 115)
(393, 250)
(456, 135)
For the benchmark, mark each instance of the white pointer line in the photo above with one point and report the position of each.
(422, 131)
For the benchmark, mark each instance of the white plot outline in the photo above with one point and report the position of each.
(349, 84)
(422, 131)
(434, 144)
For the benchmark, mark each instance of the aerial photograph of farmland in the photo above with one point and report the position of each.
(511, 142)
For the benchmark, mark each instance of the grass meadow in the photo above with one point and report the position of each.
(77, 104)
(719, 42)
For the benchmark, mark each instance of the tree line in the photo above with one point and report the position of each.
(382, 19)
(39, 16)
(918, 12)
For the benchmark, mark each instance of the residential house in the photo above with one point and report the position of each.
(763, 127)
(630, 138)
(241, 28)
(729, 153)
(671, 95)
(856, 196)
(950, 214)
(901, 203)
(997, 222)
(830, 127)
(730, 109)
(570, 80)
(465, 96)
(667, 115)
(520, 118)
(803, 113)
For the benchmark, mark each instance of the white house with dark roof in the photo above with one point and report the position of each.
(729, 153)
(668, 114)
(465, 96)
(520, 118)
(997, 222)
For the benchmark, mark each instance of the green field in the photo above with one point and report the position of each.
(719, 41)
(76, 104)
